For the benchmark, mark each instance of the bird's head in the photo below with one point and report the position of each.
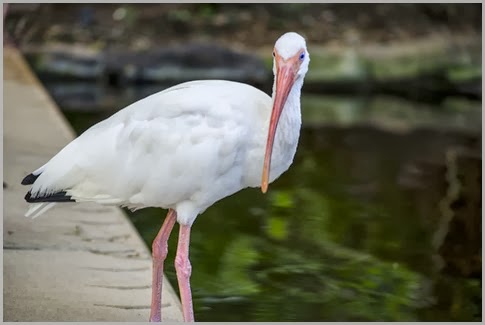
(290, 63)
(290, 56)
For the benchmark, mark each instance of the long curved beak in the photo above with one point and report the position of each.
(285, 77)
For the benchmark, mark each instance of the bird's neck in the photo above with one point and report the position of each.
(287, 132)
(290, 120)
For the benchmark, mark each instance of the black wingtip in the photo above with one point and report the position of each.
(55, 197)
(29, 179)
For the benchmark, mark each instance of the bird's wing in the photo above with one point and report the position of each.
(156, 152)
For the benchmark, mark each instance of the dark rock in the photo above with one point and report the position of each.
(118, 67)
(186, 62)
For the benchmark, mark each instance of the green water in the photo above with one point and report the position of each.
(364, 226)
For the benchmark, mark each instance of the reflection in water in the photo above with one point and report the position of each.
(367, 224)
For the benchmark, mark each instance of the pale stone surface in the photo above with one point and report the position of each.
(77, 262)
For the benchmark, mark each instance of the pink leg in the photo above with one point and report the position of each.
(159, 253)
(184, 269)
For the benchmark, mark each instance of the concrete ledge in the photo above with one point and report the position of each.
(78, 262)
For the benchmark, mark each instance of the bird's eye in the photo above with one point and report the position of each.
(302, 56)
(273, 54)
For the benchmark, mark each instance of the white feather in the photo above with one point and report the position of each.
(36, 206)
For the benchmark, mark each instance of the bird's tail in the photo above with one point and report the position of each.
(41, 203)
(39, 208)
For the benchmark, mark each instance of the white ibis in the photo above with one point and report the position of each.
(182, 149)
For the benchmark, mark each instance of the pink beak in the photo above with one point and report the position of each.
(285, 77)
